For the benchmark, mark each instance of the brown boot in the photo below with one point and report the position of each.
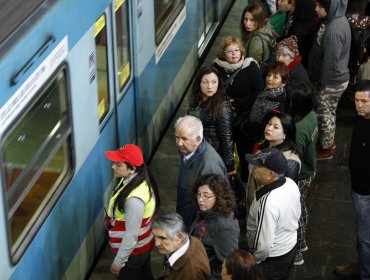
(347, 270)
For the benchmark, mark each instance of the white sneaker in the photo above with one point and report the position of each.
(298, 259)
(304, 247)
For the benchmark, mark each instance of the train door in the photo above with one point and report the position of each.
(114, 74)
(125, 96)
(207, 23)
(104, 72)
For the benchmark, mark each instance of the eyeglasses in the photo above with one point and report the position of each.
(204, 196)
(232, 51)
(206, 83)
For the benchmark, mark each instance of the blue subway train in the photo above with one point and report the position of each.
(78, 78)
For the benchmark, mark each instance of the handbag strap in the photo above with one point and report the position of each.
(263, 41)
(231, 78)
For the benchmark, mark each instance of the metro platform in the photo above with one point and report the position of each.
(331, 235)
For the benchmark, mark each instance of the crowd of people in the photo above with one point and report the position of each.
(273, 95)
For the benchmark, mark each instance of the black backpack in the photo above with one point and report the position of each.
(360, 34)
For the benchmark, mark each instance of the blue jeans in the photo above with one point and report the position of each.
(362, 209)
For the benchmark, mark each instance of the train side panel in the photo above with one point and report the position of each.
(51, 251)
(72, 234)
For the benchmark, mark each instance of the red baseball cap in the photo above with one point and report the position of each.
(129, 153)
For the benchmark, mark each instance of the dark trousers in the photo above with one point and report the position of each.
(188, 213)
(244, 146)
(279, 268)
(137, 267)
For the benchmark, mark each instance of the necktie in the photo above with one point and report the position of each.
(166, 263)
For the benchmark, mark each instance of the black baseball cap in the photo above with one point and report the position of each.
(271, 158)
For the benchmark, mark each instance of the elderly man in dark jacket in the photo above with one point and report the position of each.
(197, 158)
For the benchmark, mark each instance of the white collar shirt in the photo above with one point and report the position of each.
(179, 253)
(185, 158)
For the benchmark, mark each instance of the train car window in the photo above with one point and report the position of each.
(165, 13)
(100, 33)
(14, 13)
(207, 17)
(123, 42)
(37, 163)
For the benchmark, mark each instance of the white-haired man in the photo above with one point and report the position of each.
(198, 157)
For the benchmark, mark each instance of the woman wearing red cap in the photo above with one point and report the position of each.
(130, 212)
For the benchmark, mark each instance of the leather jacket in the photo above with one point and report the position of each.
(217, 132)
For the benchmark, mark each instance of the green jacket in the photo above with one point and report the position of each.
(306, 138)
(260, 45)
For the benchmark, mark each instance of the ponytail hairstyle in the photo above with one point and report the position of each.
(143, 174)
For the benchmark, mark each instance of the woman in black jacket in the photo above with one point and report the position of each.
(243, 80)
(209, 103)
(279, 133)
(273, 97)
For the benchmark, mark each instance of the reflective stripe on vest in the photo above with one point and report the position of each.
(116, 222)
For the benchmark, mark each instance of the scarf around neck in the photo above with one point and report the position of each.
(243, 63)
